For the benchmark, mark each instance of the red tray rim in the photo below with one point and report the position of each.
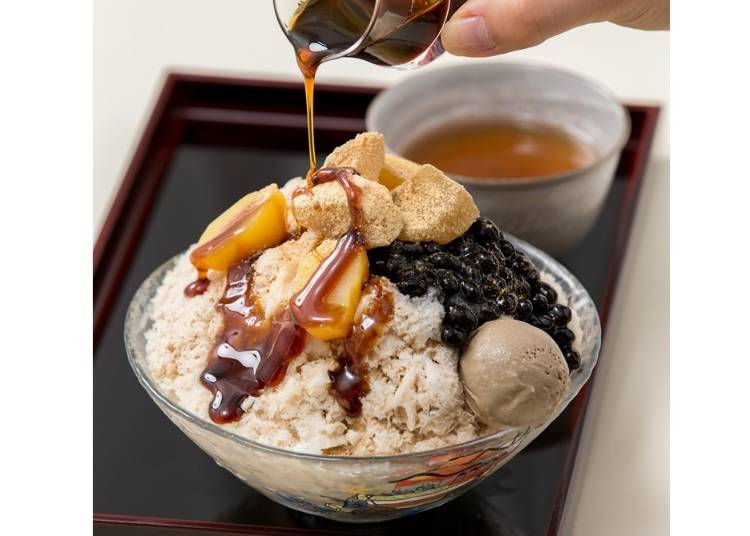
(117, 211)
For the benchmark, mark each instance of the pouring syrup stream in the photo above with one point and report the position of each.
(308, 65)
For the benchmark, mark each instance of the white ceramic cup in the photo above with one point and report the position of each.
(552, 212)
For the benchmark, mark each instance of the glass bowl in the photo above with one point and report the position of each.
(361, 489)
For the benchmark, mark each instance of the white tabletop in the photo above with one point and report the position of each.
(621, 481)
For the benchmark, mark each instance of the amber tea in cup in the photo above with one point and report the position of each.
(500, 149)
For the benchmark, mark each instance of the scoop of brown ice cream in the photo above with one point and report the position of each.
(513, 374)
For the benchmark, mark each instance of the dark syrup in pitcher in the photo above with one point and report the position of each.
(330, 27)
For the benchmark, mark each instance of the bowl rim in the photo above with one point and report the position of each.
(144, 378)
(519, 66)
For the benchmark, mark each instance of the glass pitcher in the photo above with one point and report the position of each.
(395, 33)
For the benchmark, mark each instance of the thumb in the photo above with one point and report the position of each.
(490, 27)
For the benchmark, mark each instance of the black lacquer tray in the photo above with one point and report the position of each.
(209, 141)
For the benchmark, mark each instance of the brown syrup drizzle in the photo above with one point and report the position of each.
(197, 287)
(308, 65)
(348, 381)
(309, 305)
(253, 352)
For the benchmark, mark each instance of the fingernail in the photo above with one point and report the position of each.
(467, 36)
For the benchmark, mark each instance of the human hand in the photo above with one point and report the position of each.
(489, 27)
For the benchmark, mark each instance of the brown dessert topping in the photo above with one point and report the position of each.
(349, 382)
(197, 287)
(252, 351)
